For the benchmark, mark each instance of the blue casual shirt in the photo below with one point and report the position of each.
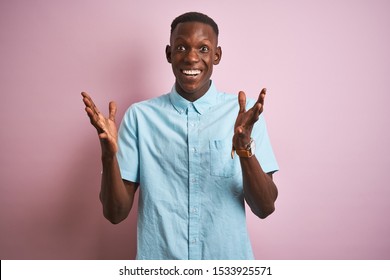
(191, 202)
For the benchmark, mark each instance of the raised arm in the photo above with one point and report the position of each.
(260, 191)
(116, 195)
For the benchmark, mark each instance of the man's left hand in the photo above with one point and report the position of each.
(246, 119)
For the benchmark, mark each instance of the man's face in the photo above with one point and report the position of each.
(192, 53)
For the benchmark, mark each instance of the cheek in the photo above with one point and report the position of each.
(177, 60)
(208, 61)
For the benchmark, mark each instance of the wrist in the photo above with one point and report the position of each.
(245, 151)
(106, 158)
(241, 142)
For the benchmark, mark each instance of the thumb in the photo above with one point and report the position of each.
(112, 110)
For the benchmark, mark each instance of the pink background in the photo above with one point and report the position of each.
(326, 65)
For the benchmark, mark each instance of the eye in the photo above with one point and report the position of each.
(204, 49)
(181, 48)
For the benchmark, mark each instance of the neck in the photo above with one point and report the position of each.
(192, 96)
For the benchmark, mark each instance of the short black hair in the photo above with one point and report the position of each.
(195, 17)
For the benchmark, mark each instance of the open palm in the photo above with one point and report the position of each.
(106, 127)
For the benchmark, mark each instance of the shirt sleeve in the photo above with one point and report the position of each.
(128, 153)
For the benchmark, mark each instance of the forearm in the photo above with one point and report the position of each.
(115, 198)
(260, 191)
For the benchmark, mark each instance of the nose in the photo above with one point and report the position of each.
(192, 56)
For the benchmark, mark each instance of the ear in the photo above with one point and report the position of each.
(168, 53)
(217, 56)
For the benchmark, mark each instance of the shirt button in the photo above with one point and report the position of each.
(193, 180)
(193, 241)
(194, 150)
(194, 210)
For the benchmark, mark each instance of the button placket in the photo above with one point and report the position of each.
(193, 188)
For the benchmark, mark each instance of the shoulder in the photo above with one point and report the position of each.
(149, 105)
(161, 100)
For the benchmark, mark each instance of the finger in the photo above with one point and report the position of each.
(259, 105)
(242, 101)
(85, 95)
(261, 98)
(89, 103)
(95, 120)
(112, 110)
(87, 99)
(92, 114)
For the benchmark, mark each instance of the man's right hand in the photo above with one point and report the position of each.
(106, 127)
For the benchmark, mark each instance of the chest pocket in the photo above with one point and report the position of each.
(221, 163)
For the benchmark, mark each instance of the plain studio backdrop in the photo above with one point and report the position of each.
(326, 66)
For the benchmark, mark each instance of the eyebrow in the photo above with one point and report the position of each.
(204, 40)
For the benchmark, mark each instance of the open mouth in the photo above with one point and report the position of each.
(191, 73)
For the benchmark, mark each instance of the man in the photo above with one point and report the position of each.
(179, 149)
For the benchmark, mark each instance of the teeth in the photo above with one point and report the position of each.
(191, 72)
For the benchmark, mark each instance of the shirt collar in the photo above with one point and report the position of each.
(201, 105)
